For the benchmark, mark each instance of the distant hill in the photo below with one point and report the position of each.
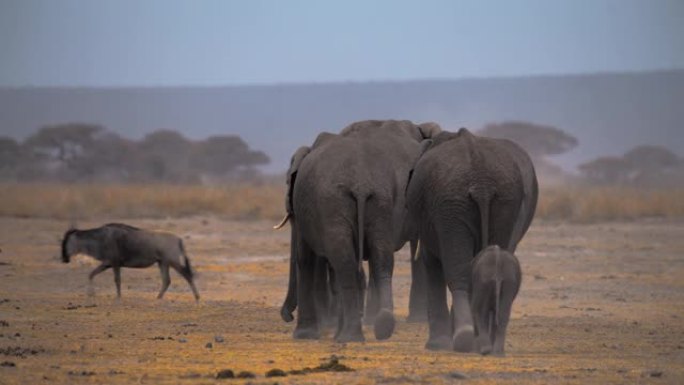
(608, 113)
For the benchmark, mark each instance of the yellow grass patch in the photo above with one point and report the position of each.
(244, 201)
(266, 201)
(609, 203)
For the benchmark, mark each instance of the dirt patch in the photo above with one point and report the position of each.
(18, 351)
(600, 303)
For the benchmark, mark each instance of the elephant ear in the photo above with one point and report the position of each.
(429, 130)
(424, 146)
(323, 138)
(295, 162)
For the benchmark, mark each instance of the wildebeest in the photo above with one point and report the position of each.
(495, 284)
(119, 245)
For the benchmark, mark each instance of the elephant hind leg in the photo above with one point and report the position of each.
(349, 279)
(501, 325)
(483, 318)
(418, 293)
(437, 309)
(372, 301)
(381, 264)
(307, 320)
(322, 294)
(457, 251)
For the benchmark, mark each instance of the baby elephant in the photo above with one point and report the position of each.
(495, 283)
(118, 245)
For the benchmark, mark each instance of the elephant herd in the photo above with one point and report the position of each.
(462, 201)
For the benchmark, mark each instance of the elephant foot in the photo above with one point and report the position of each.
(439, 343)
(286, 314)
(384, 325)
(328, 322)
(306, 333)
(464, 339)
(417, 318)
(484, 346)
(346, 336)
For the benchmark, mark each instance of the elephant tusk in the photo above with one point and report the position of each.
(417, 254)
(282, 223)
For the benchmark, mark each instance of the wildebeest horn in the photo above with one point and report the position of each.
(282, 223)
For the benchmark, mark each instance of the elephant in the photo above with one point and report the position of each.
(465, 192)
(345, 201)
(496, 280)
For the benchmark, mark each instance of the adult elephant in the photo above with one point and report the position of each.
(361, 171)
(466, 192)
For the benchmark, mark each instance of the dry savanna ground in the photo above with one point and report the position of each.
(601, 302)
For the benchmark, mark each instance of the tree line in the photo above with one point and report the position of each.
(88, 152)
(642, 166)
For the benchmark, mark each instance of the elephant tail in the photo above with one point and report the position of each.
(497, 285)
(361, 213)
(483, 200)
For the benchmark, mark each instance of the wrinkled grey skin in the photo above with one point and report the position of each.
(118, 245)
(351, 187)
(496, 280)
(398, 139)
(466, 192)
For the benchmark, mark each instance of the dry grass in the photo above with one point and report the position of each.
(587, 204)
(265, 201)
(63, 201)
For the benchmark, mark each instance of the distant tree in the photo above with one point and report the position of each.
(649, 158)
(538, 140)
(113, 158)
(87, 152)
(645, 165)
(63, 149)
(165, 156)
(608, 169)
(224, 155)
(10, 156)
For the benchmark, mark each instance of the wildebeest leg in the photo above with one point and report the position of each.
(103, 266)
(166, 278)
(185, 273)
(117, 280)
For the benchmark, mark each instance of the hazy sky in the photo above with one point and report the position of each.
(163, 42)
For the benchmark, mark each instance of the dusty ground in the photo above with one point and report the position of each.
(600, 303)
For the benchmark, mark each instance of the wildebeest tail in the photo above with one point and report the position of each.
(187, 269)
